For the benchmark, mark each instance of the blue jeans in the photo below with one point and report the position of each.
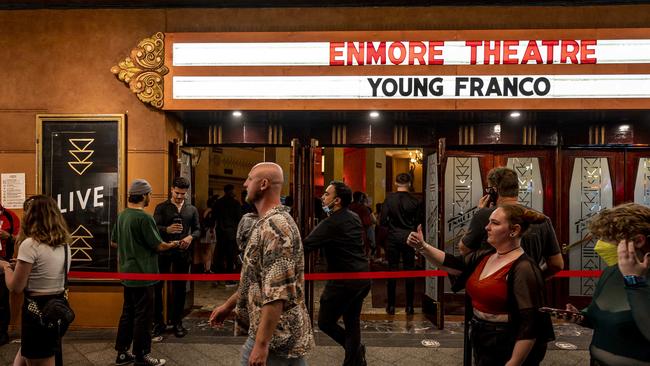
(272, 360)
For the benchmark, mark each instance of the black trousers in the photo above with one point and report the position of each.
(135, 322)
(493, 343)
(5, 311)
(344, 299)
(226, 255)
(38, 341)
(177, 262)
(395, 251)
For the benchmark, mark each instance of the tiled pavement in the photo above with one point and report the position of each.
(388, 343)
(395, 340)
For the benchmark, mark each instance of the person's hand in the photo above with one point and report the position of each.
(174, 228)
(258, 355)
(4, 265)
(185, 242)
(484, 202)
(464, 250)
(575, 316)
(4, 235)
(416, 239)
(628, 261)
(219, 314)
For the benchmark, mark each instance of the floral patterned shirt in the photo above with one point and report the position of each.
(244, 231)
(273, 269)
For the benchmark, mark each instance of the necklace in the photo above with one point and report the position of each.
(508, 251)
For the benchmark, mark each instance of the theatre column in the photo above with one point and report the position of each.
(376, 175)
(333, 164)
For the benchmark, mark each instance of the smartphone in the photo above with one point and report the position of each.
(492, 201)
(559, 313)
(178, 220)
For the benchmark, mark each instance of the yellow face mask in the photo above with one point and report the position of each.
(607, 251)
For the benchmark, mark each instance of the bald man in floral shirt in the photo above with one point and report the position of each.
(272, 279)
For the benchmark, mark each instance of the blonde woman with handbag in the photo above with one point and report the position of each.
(39, 273)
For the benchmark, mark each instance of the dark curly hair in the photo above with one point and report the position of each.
(181, 182)
(621, 222)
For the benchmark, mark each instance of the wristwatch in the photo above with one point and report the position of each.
(635, 281)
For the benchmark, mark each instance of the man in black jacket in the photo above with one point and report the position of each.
(340, 234)
(401, 213)
(228, 212)
(178, 220)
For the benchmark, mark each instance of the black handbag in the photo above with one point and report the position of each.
(56, 313)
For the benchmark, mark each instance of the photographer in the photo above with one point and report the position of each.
(540, 242)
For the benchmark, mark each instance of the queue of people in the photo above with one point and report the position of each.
(506, 257)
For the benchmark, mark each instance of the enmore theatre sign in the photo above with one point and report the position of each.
(536, 69)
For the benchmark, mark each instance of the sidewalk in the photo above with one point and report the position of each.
(388, 343)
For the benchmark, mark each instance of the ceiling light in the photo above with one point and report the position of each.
(515, 114)
(236, 114)
(374, 114)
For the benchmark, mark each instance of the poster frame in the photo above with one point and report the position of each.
(119, 120)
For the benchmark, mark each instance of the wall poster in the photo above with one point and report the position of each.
(81, 165)
(12, 188)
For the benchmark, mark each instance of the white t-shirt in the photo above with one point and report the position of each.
(47, 265)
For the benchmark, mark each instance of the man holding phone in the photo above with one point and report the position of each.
(539, 243)
(178, 220)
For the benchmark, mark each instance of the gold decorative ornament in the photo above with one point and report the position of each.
(143, 71)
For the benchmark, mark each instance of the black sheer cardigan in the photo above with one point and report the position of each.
(526, 293)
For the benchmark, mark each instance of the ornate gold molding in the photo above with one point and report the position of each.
(143, 71)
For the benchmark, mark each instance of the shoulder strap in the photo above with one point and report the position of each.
(65, 268)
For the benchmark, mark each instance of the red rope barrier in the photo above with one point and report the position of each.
(308, 276)
(567, 274)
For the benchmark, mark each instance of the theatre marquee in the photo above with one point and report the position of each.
(444, 70)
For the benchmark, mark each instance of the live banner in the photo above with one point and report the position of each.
(80, 169)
